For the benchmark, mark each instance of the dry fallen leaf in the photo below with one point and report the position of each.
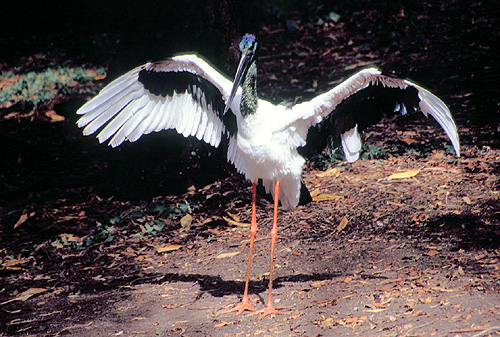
(404, 175)
(408, 141)
(327, 322)
(376, 310)
(186, 220)
(318, 284)
(427, 300)
(355, 319)
(462, 95)
(221, 324)
(315, 192)
(25, 295)
(431, 252)
(328, 173)
(99, 77)
(99, 278)
(325, 197)
(54, 116)
(12, 114)
(379, 305)
(191, 190)
(236, 223)
(357, 65)
(23, 218)
(479, 257)
(395, 204)
(234, 216)
(343, 223)
(226, 255)
(171, 306)
(444, 289)
(168, 248)
(211, 219)
(14, 262)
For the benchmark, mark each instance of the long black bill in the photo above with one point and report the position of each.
(245, 61)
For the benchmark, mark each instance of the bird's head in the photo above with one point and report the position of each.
(248, 48)
(248, 43)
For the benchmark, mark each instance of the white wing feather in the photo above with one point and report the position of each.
(351, 143)
(126, 110)
(312, 112)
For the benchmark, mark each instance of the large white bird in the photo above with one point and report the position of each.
(187, 94)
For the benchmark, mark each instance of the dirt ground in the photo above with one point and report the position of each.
(101, 242)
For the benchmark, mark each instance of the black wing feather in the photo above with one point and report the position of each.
(365, 108)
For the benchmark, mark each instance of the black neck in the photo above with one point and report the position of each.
(249, 100)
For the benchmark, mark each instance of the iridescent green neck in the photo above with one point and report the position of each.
(249, 100)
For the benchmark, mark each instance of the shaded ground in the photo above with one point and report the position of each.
(95, 243)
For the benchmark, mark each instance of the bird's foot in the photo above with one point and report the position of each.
(242, 306)
(269, 309)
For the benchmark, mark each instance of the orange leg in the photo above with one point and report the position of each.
(245, 301)
(269, 309)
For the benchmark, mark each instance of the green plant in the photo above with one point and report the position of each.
(38, 87)
(372, 152)
(103, 233)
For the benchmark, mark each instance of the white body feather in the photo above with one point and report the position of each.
(265, 149)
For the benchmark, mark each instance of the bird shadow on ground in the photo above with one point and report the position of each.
(218, 287)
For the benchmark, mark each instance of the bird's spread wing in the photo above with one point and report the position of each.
(183, 93)
(345, 107)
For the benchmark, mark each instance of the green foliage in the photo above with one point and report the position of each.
(324, 161)
(372, 152)
(103, 233)
(155, 227)
(449, 149)
(335, 17)
(337, 157)
(165, 211)
(149, 220)
(330, 156)
(144, 218)
(37, 87)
